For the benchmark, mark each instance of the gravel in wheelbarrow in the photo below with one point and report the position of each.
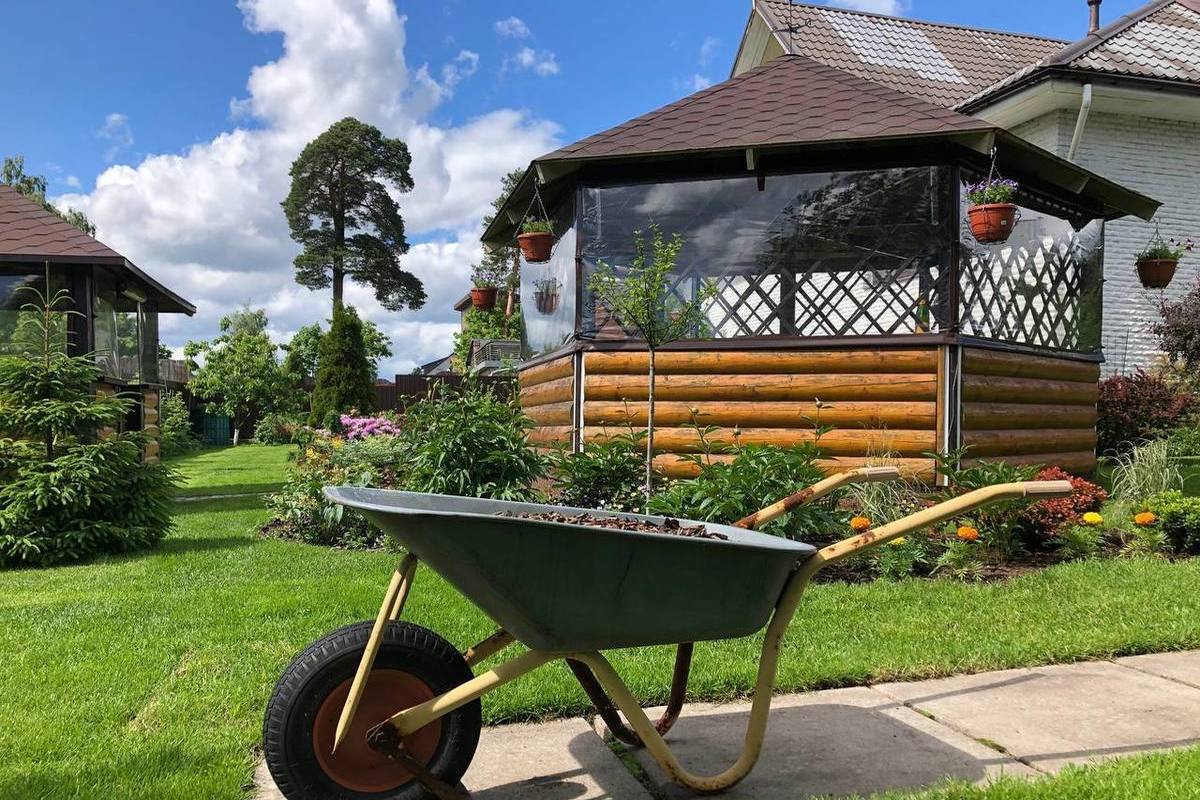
(669, 525)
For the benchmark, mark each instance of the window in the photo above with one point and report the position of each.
(126, 331)
(20, 328)
(855, 253)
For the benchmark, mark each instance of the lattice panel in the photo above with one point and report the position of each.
(1041, 291)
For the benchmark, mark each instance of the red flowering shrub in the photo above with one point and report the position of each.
(1044, 518)
(1137, 407)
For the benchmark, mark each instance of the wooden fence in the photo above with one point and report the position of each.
(409, 388)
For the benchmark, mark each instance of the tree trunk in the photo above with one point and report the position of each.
(339, 240)
(237, 429)
(516, 281)
(650, 436)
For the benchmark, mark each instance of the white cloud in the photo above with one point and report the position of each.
(698, 82)
(118, 133)
(890, 7)
(541, 62)
(512, 28)
(207, 222)
(708, 49)
(72, 181)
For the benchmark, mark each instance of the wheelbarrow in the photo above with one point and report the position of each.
(388, 709)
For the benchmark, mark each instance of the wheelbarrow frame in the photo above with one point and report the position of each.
(594, 665)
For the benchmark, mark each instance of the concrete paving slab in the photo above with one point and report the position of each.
(1049, 717)
(563, 760)
(844, 741)
(1183, 667)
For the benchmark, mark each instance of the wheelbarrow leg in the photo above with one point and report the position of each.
(389, 611)
(608, 710)
(387, 740)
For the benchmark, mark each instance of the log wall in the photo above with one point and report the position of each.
(878, 401)
(547, 394)
(1027, 409)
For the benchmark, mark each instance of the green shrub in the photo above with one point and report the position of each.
(1000, 523)
(64, 496)
(1179, 519)
(606, 475)
(279, 429)
(961, 560)
(345, 378)
(1077, 542)
(1134, 408)
(904, 557)
(758, 475)
(1184, 442)
(469, 442)
(175, 426)
(300, 508)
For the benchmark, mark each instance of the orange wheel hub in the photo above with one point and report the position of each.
(355, 765)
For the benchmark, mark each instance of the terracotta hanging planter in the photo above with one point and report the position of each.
(536, 246)
(483, 298)
(1156, 273)
(992, 223)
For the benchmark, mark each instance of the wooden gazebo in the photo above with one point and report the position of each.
(829, 211)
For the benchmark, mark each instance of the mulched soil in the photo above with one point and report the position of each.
(669, 525)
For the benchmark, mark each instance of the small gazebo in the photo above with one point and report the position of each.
(829, 211)
(117, 303)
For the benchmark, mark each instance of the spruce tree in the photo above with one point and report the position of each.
(345, 377)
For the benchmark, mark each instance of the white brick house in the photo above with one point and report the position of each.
(1124, 101)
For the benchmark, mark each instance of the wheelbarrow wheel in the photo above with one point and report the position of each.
(414, 664)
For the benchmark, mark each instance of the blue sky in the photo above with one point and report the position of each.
(153, 100)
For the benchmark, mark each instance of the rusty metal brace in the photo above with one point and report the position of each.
(608, 710)
(385, 739)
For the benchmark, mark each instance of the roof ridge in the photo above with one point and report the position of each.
(911, 20)
(1093, 40)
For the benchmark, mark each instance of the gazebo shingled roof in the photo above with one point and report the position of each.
(794, 104)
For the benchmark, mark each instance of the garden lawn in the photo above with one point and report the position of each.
(146, 676)
(232, 470)
(1155, 776)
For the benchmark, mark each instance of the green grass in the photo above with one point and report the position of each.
(232, 470)
(146, 676)
(1154, 776)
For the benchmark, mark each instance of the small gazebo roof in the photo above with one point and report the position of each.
(794, 105)
(30, 233)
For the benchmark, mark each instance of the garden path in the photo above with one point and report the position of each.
(1022, 722)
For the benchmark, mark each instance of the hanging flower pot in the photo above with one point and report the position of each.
(545, 296)
(1157, 262)
(992, 223)
(483, 297)
(536, 241)
(992, 216)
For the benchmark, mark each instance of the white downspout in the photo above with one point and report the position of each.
(1085, 108)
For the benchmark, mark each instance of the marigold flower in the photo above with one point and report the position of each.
(968, 534)
(899, 540)
(860, 523)
(1093, 519)
(1145, 518)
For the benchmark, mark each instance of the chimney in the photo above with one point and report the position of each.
(1094, 21)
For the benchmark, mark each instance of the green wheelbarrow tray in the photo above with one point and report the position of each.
(563, 588)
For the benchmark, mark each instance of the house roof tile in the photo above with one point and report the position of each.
(939, 63)
(27, 229)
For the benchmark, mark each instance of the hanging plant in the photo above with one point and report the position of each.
(545, 295)
(1158, 260)
(485, 281)
(536, 240)
(991, 213)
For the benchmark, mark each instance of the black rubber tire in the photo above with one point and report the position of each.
(331, 660)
